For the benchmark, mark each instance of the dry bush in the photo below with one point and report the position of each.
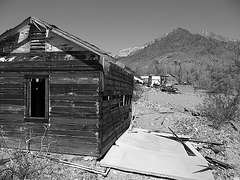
(20, 164)
(221, 104)
(137, 92)
(220, 109)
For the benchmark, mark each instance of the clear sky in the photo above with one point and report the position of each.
(113, 25)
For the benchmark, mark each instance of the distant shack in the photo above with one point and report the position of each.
(167, 79)
(55, 84)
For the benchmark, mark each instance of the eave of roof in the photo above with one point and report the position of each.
(70, 37)
(58, 31)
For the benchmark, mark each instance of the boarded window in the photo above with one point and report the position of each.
(38, 39)
(37, 104)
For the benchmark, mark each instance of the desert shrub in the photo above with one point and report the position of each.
(137, 91)
(219, 109)
(221, 104)
(21, 165)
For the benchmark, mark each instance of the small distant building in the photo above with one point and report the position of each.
(156, 80)
(138, 80)
(168, 80)
(151, 80)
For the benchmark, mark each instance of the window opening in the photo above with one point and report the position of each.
(37, 102)
(38, 97)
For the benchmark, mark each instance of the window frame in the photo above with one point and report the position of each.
(27, 114)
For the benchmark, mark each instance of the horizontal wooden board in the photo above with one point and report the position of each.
(11, 107)
(42, 64)
(5, 123)
(11, 117)
(73, 146)
(81, 77)
(29, 131)
(37, 69)
(12, 101)
(69, 91)
(76, 80)
(75, 110)
(75, 98)
(12, 91)
(75, 74)
(56, 145)
(47, 65)
(12, 86)
(111, 137)
(109, 103)
(109, 119)
(108, 123)
(71, 121)
(110, 92)
(74, 92)
(4, 112)
(119, 78)
(11, 80)
(116, 130)
(18, 75)
(68, 126)
(56, 103)
(53, 56)
(75, 114)
(74, 87)
(9, 96)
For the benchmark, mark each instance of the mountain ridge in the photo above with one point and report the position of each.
(183, 54)
(131, 50)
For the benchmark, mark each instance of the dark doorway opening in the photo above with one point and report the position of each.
(38, 97)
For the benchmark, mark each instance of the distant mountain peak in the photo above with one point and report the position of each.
(129, 51)
(179, 30)
(207, 34)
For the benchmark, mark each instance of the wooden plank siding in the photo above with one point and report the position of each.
(12, 94)
(74, 96)
(73, 102)
(57, 85)
(115, 117)
(117, 81)
(77, 112)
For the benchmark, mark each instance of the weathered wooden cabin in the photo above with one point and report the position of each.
(58, 90)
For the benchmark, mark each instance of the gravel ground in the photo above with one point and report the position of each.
(156, 111)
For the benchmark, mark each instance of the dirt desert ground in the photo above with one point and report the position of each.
(156, 111)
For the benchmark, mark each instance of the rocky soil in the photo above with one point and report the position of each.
(156, 111)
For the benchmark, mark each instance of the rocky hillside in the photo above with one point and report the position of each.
(186, 55)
